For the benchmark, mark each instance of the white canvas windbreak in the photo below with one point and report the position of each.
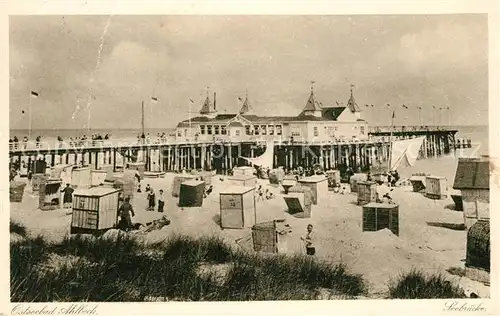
(405, 152)
(266, 159)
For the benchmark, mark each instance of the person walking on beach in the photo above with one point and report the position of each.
(151, 199)
(309, 241)
(161, 202)
(126, 213)
(68, 196)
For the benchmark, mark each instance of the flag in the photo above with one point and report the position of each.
(388, 104)
(154, 99)
(240, 99)
(191, 100)
(372, 105)
(393, 114)
(337, 102)
(420, 108)
(366, 105)
(22, 111)
(34, 94)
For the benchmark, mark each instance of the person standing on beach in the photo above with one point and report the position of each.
(126, 213)
(151, 198)
(161, 202)
(309, 241)
(68, 196)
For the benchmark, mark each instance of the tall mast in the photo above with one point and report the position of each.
(391, 141)
(142, 118)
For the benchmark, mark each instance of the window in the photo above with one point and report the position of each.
(263, 129)
(271, 129)
(295, 131)
(247, 129)
(223, 130)
(209, 129)
(316, 132)
(256, 130)
(216, 129)
(237, 132)
(185, 132)
(202, 129)
(362, 130)
(179, 133)
(278, 130)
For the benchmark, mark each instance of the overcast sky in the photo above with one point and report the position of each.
(436, 60)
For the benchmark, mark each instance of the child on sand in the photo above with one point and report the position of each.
(161, 202)
(309, 241)
(151, 198)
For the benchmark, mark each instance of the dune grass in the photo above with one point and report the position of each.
(418, 285)
(125, 269)
(17, 228)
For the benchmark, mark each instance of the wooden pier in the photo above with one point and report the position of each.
(224, 152)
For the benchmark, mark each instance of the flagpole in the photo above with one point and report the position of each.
(142, 118)
(29, 116)
(390, 139)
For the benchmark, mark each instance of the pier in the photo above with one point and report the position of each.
(224, 152)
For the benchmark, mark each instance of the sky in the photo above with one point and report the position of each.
(108, 65)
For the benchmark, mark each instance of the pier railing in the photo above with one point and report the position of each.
(402, 129)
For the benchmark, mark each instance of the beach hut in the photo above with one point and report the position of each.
(299, 201)
(418, 183)
(98, 177)
(49, 194)
(94, 210)
(472, 178)
(377, 216)
(318, 185)
(191, 193)
(109, 171)
(205, 176)
(265, 237)
(355, 178)
(477, 261)
(141, 166)
(36, 180)
(246, 181)
(81, 178)
(276, 176)
(127, 184)
(287, 184)
(436, 187)
(333, 177)
(39, 166)
(243, 171)
(176, 184)
(16, 191)
(367, 192)
(238, 207)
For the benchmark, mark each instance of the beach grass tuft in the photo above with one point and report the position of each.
(123, 269)
(418, 285)
(17, 228)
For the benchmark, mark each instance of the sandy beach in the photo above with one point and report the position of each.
(378, 256)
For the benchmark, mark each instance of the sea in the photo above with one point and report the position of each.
(478, 134)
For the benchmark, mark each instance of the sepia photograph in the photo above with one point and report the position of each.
(160, 158)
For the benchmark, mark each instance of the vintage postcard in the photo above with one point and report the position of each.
(342, 158)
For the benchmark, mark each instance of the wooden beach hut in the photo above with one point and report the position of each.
(299, 201)
(333, 177)
(265, 237)
(81, 178)
(377, 216)
(98, 177)
(436, 187)
(16, 191)
(367, 192)
(243, 171)
(472, 178)
(94, 210)
(418, 183)
(478, 257)
(318, 185)
(237, 207)
(176, 184)
(355, 178)
(37, 180)
(191, 193)
(246, 181)
(49, 194)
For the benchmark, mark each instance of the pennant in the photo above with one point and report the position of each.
(372, 105)
(154, 99)
(34, 94)
(366, 105)
(388, 104)
(191, 100)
